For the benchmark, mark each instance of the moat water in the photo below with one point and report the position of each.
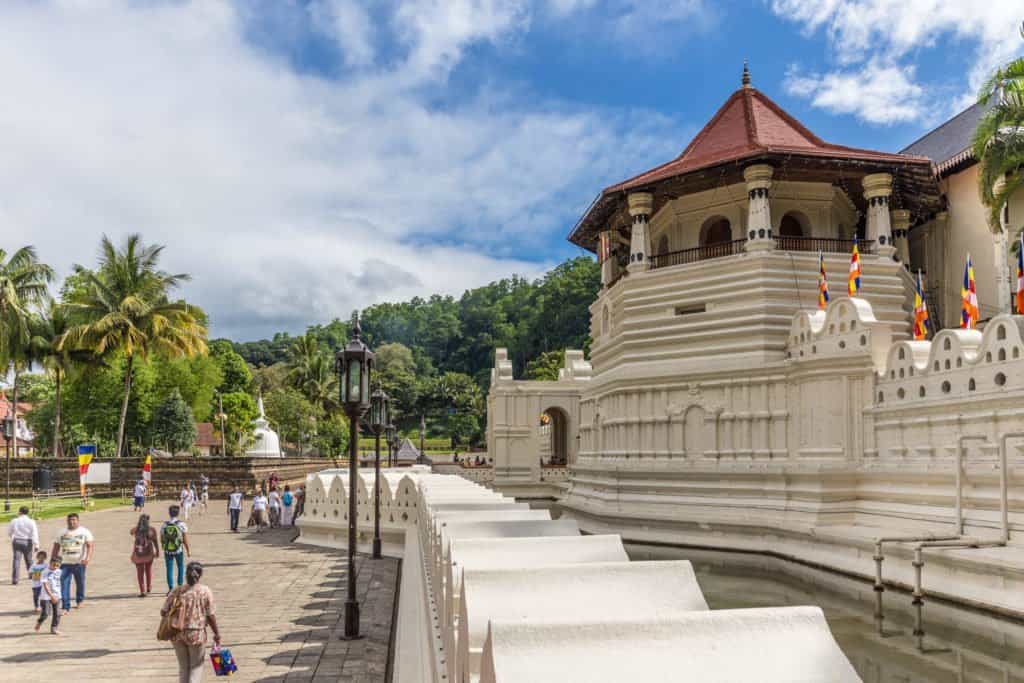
(959, 645)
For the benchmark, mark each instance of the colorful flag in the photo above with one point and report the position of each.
(968, 298)
(853, 285)
(604, 247)
(85, 456)
(920, 312)
(1020, 275)
(822, 283)
(147, 470)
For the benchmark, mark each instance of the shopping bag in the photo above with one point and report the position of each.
(223, 662)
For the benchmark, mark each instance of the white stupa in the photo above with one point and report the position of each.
(266, 445)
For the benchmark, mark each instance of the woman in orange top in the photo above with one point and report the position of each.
(194, 612)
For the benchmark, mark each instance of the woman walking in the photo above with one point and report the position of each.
(287, 506)
(193, 610)
(145, 549)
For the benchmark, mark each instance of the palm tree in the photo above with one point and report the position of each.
(311, 371)
(999, 137)
(48, 331)
(124, 310)
(23, 288)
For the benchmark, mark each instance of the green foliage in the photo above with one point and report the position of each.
(292, 416)
(546, 366)
(269, 378)
(235, 374)
(173, 425)
(999, 138)
(241, 410)
(34, 388)
(332, 436)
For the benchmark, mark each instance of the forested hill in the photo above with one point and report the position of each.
(447, 334)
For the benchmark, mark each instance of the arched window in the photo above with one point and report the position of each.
(791, 226)
(715, 230)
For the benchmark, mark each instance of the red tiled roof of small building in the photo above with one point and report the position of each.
(206, 435)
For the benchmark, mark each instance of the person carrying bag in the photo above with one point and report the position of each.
(186, 614)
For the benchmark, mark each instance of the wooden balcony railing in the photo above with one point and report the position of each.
(678, 258)
(828, 245)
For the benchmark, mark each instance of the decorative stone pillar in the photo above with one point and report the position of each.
(901, 235)
(605, 253)
(640, 206)
(1002, 254)
(759, 214)
(877, 190)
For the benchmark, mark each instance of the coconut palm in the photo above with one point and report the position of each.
(311, 371)
(124, 310)
(47, 332)
(999, 137)
(23, 289)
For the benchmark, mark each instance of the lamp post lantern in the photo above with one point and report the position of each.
(354, 365)
(379, 409)
(392, 448)
(9, 436)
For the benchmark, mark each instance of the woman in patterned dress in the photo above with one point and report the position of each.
(195, 611)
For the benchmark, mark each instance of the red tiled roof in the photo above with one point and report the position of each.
(5, 405)
(750, 124)
(205, 435)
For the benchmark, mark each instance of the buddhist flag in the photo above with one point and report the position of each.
(853, 286)
(147, 470)
(85, 456)
(822, 283)
(920, 312)
(968, 298)
(604, 249)
(1020, 275)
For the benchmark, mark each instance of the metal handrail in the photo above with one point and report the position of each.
(828, 245)
(695, 254)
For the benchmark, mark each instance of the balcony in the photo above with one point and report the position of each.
(828, 245)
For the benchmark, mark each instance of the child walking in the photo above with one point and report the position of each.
(50, 596)
(35, 572)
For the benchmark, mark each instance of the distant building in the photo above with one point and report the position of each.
(25, 437)
(207, 439)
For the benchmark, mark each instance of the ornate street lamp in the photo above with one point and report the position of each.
(354, 365)
(222, 416)
(379, 409)
(392, 448)
(9, 436)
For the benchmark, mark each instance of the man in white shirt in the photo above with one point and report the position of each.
(235, 508)
(24, 535)
(139, 495)
(76, 548)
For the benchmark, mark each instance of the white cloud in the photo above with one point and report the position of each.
(877, 94)
(290, 197)
(348, 23)
(642, 27)
(875, 39)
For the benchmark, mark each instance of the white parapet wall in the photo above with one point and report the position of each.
(767, 645)
(474, 558)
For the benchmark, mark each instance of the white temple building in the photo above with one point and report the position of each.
(266, 443)
(721, 409)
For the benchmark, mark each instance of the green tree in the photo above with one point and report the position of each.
(241, 410)
(546, 366)
(173, 426)
(292, 415)
(311, 371)
(124, 308)
(332, 436)
(999, 137)
(234, 370)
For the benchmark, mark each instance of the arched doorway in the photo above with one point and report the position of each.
(715, 230)
(554, 431)
(791, 225)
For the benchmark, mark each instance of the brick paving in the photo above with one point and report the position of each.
(280, 607)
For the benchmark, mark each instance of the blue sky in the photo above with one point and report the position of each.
(304, 158)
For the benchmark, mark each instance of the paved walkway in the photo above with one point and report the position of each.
(280, 607)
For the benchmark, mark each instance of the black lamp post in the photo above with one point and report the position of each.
(390, 433)
(354, 365)
(8, 436)
(222, 416)
(379, 410)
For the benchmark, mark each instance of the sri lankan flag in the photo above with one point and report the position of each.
(822, 283)
(853, 284)
(1020, 276)
(968, 298)
(920, 312)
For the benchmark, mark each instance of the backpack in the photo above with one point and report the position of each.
(142, 546)
(171, 538)
(287, 498)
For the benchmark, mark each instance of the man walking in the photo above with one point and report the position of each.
(76, 547)
(24, 535)
(174, 541)
(234, 508)
(204, 492)
(139, 495)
